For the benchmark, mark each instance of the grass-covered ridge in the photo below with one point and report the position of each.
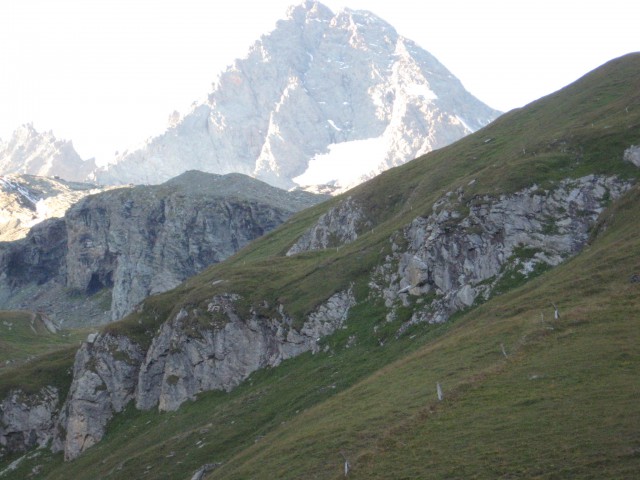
(563, 400)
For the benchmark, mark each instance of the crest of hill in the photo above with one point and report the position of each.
(237, 185)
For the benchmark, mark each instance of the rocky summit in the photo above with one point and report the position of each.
(325, 98)
(113, 249)
(35, 153)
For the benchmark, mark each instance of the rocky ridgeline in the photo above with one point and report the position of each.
(31, 152)
(112, 250)
(318, 79)
(188, 355)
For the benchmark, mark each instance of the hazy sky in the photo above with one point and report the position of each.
(107, 74)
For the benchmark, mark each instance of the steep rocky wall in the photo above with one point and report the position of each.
(104, 377)
(112, 250)
(191, 353)
(462, 250)
(38, 258)
(28, 420)
(149, 244)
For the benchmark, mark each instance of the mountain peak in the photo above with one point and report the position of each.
(318, 81)
(308, 10)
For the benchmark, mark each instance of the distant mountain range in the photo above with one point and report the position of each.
(324, 99)
(26, 200)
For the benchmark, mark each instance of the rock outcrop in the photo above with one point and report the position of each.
(104, 379)
(464, 249)
(28, 420)
(191, 353)
(319, 80)
(632, 155)
(112, 250)
(339, 226)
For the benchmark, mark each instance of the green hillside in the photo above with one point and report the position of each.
(24, 336)
(525, 395)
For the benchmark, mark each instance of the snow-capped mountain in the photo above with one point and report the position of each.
(323, 99)
(34, 153)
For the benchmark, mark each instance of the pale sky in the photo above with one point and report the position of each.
(107, 74)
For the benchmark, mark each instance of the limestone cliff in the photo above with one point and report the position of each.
(112, 250)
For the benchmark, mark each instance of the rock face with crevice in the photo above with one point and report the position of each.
(112, 250)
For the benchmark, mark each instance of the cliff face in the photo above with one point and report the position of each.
(112, 250)
(191, 353)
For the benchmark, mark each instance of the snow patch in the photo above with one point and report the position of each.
(345, 163)
(332, 123)
(464, 124)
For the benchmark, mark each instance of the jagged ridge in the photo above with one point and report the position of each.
(319, 79)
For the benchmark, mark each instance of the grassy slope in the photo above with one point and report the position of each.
(356, 400)
(31, 356)
(562, 405)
